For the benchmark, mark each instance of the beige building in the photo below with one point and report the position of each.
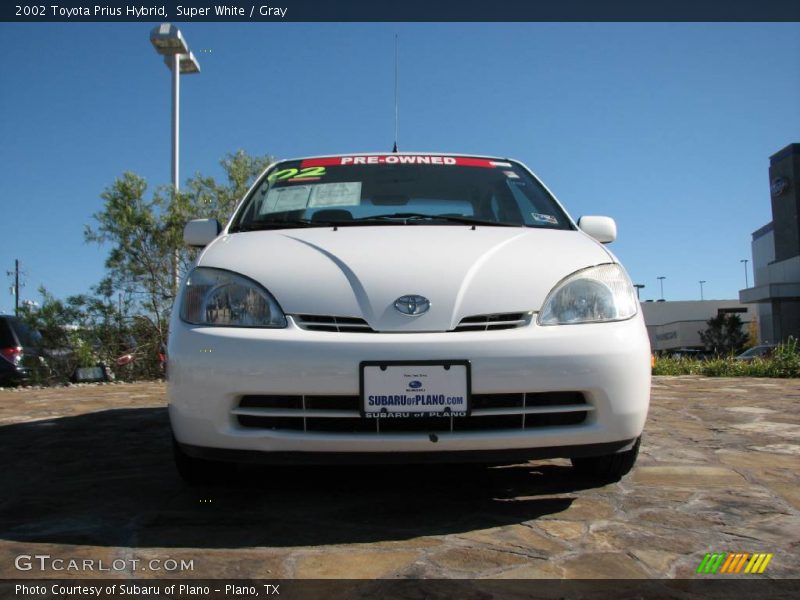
(673, 325)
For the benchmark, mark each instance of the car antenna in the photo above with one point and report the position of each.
(396, 120)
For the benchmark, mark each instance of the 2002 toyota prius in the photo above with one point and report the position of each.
(406, 308)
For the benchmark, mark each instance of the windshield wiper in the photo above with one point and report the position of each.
(410, 217)
(406, 218)
(278, 224)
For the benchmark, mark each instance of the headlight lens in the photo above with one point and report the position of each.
(224, 299)
(593, 295)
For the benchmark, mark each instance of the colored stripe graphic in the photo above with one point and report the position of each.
(755, 563)
(703, 563)
(732, 558)
(765, 563)
(734, 562)
(711, 562)
(740, 564)
(759, 563)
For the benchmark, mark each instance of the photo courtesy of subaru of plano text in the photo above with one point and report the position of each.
(406, 308)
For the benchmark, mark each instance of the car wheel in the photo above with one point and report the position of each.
(611, 467)
(196, 471)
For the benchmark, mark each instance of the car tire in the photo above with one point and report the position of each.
(196, 471)
(611, 467)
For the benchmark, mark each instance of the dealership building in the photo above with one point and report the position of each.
(674, 325)
(776, 253)
(774, 299)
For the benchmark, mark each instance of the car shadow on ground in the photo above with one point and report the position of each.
(108, 479)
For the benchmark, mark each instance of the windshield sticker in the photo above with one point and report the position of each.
(511, 174)
(297, 175)
(402, 159)
(336, 194)
(540, 218)
(308, 174)
(282, 174)
(286, 198)
(300, 197)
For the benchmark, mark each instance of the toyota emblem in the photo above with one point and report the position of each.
(412, 305)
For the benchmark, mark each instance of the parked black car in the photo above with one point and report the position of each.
(760, 351)
(688, 353)
(20, 351)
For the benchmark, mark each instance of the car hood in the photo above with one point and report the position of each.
(361, 271)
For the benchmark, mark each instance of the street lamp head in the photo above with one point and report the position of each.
(188, 63)
(167, 39)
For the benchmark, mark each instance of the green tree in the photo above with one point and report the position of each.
(724, 334)
(80, 331)
(145, 234)
(205, 197)
(139, 262)
(53, 318)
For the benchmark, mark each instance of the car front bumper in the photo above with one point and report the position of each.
(212, 369)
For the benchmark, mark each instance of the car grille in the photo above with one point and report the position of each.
(331, 323)
(340, 414)
(494, 322)
(491, 322)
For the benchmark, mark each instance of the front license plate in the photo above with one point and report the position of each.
(419, 389)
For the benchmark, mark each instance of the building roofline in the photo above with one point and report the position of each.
(762, 231)
(784, 152)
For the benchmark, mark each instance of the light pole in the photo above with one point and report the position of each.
(746, 282)
(168, 41)
(702, 281)
(638, 287)
(661, 281)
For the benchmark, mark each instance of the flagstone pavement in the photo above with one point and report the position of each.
(86, 473)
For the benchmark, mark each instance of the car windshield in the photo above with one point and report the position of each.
(756, 351)
(399, 189)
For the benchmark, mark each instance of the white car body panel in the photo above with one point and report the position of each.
(211, 368)
(361, 271)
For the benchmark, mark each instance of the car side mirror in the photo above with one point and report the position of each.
(603, 229)
(201, 232)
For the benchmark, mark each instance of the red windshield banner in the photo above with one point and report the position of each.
(403, 159)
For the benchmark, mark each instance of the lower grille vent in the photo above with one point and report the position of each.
(340, 414)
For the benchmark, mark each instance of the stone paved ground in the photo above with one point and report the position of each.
(86, 472)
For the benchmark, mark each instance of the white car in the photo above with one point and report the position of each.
(406, 308)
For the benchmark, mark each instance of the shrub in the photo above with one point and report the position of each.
(784, 362)
(676, 366)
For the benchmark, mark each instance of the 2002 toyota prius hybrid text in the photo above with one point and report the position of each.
(406, 308)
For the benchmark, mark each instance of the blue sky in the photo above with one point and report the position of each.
(666, 127)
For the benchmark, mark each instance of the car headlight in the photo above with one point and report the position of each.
(224, 299)
(593, 295)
